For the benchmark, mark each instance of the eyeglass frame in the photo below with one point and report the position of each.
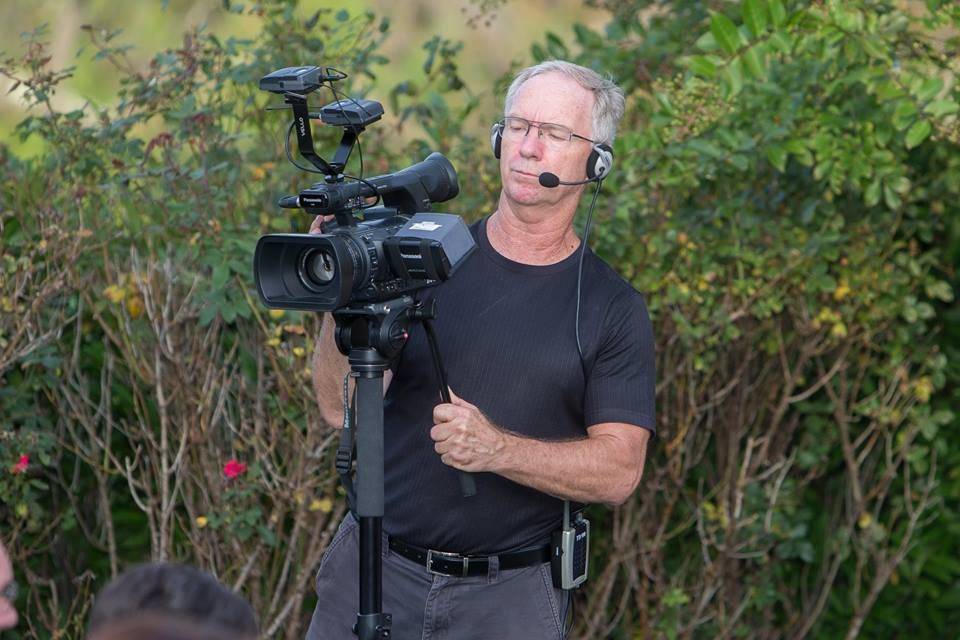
(539, 125)
(10, 592)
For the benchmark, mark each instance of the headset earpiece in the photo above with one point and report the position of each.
(496, 138)
(600, 161)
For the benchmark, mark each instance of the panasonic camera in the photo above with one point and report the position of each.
(384, 241)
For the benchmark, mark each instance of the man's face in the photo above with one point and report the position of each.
(8, 615)
(547, 98)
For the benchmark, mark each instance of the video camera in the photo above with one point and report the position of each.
(397, 248)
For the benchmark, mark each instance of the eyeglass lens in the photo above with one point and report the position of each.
(516, 128)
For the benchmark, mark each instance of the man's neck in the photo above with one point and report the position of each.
(531, 235)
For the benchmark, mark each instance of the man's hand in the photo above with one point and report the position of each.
(315, 225)
(464, 437)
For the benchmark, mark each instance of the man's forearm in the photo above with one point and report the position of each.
(595, 469)
(329, 368)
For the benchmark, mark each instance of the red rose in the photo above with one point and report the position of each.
(22, 464)
(234, 468)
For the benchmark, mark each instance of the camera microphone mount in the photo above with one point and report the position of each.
(294, 84)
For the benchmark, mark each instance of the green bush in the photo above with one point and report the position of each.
(785, 194)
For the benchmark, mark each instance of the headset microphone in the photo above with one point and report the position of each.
(550, 181)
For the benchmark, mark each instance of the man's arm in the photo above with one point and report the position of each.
(606, 466)
(329, 368)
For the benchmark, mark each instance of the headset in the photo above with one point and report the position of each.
(599, 162)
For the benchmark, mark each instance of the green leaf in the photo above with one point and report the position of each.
(706, 148)
(871, 196)
(556, 47)
(755, 16)
(940, 108)
(725, 32)
(753, 62)
(903, 114)
(929, 89)
(918, 133)
(940, 290)
(706, 43)
(777, 156)
(874, 47)
(780, 42)
(890, 197)
(778, 15)
(733, 77)
(702, 66)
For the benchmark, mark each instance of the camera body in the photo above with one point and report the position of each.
(374, 261)
(397, 248)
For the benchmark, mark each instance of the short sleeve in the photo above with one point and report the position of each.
(621, 381)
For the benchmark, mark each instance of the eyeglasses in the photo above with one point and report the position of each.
(555, 135)
(10, 591)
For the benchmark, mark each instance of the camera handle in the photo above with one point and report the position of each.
(468, 487)
(372, 335)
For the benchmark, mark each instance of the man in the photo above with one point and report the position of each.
(8, 592)
(534, 422)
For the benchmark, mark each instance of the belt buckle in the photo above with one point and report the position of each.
(448, 556)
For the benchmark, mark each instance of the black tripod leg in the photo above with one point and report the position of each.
(371, 622)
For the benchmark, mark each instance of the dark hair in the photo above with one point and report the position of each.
(159, 627)
(173, 591)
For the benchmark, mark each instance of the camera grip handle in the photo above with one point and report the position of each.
(468, 486)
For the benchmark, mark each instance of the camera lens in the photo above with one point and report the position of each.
(317, 268)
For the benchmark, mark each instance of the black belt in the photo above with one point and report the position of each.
(454, 564)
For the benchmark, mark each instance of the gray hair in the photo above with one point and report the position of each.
(608, 101)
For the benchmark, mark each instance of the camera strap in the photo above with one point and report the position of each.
(346, 453)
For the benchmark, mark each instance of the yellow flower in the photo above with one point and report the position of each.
(299, 351)
(259, 172)
(839, 330)
(115, 294)
(202, 521)
(273, 342)
(325, 505)
(135, 307)
(922, 388)
(842, 291)
(865, 520)
(276, 314)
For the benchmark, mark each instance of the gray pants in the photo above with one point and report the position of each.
(519, 604)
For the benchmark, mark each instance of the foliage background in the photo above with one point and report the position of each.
(786, 196)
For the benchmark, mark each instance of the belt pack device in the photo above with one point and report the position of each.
(569, 555)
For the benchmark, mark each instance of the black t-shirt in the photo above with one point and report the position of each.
(506, 333)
